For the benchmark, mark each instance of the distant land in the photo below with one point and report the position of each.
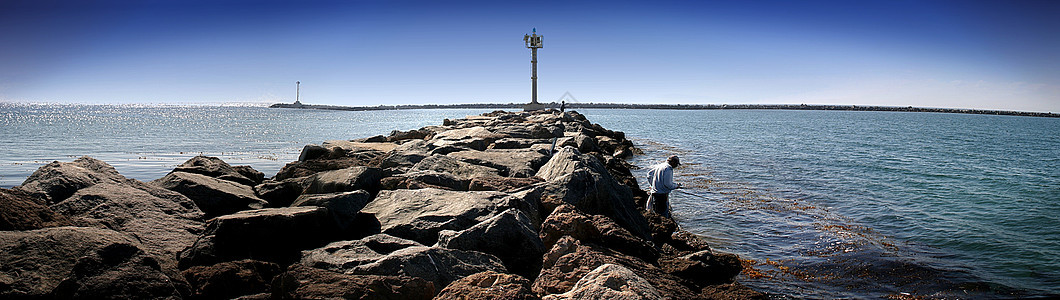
(677, 107)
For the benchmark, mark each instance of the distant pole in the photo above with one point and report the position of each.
(297, 91)
(533, 42)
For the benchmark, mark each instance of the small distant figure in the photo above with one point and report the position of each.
(562, 106)
(661, 183)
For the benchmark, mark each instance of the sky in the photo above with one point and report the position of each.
(924, 53)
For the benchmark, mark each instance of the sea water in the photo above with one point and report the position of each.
(820, 204)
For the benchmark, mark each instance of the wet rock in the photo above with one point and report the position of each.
(509, 236)
(164, 226)
(272, 234)
(569, 260)
(229, 280)
(610, 281)
(568, 221)
(301, 282)
(343, 207)
(488, 285)
(118, 271)
(281, 193)
(501, 184)
(217, 168)
(438, 265)
(56, 181)
(344, 180)
(343, 256)
(510, 162)
(20, 211)
(662, 228)
(704, 267)
(685, 243)
(310, 167)
(420, 214)
(586, 144)
(34, 262)
(581, 180)
(213, 196)
(459, 169)
(731, 291)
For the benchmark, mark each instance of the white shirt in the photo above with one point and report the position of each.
(661, 179)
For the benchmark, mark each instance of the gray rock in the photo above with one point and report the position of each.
(511, 162)
(425, 179)
(610, 281)
(344, 180)
(583, 181)
(311, 152)
(214, 197)
(34, 262)
(217, 168)
(420, 214)
(488, 285)
(301, 282)
(509, 236)
(438, 265)
(517, 143)
(459, 169)
(342, 207)
(343, 256)
(56, 181)
(119, 271)
(306, 168)
(164, 226)
(477, 138)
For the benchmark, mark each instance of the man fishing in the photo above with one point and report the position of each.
(661, 183)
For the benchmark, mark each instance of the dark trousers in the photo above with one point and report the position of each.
(662, 204)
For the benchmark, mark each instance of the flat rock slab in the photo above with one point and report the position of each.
(344, 180)
(488, 285)
(420, 214)
(460, 169)
(438, 265)
(215, 197)
(301, 282)
(512, 162)
(343, 256)
(271, 234)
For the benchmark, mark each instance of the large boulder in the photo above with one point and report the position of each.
(425, 179)
(19, 211)
(216, 168)
(569, 260)
(501, 184)
(402, 158)
(420, 214)
(344, 180)
(118, 271)
(301, 282)
(704, 267)
(488, 285)
(523, 131)
(566, 220)
(438, 265)
(229, 280)
(281, 193)
(610, 281)
(583, 181)
(214, 197)
(34, 262)
(477, 138)
(343, 256)
(517, 143)
(272, 234)
(510, 236)
(309, 167)
(511, 162)
(164, 226)
(460, 169)
(343, 207)
(56, 181)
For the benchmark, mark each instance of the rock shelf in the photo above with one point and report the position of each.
(503, 205)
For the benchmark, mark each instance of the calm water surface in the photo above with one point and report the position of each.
(821, 204)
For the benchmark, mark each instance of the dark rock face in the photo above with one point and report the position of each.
(438, 265)
(34, 262)
(343, 207)
(420, 214)
(310, 167)
(281, 193)
(488, 285)
(568, 221)
(56, 181)
(271, 234)
(731, 291)
(19, 211)
(398, 135)
(344, 180)
(164, 226)
(217, 168)
(509, 236)
(301, 282)
(581, 180)
(704, 268)
(118, 271)
(229, 280)
(214, 196)
(424, 179)
(343, 256)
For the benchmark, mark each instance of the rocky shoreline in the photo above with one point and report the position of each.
(477, 208)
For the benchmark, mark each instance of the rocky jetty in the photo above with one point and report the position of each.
(504, 205)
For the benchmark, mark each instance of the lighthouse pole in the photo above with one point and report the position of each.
(533, 42)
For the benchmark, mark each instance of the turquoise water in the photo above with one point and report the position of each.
(823, 204)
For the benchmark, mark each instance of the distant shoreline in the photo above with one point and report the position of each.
(678, 107)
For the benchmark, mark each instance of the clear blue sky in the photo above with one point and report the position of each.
(967, 54)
